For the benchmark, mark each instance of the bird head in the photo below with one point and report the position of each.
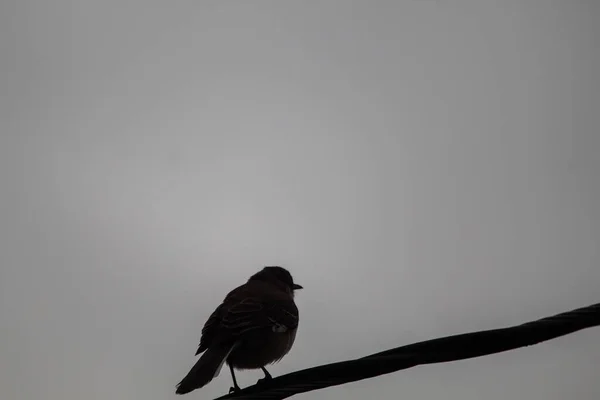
(278, 276)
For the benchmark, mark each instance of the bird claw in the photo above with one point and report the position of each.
(234, 389)
(263, 380)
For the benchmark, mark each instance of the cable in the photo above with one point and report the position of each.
(451, 348)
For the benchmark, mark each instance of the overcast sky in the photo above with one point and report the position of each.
(423, 168)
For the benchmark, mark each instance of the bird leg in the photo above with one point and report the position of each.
(235, 387)
(267, 374)
(266, 378)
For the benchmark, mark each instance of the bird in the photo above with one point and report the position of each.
(253, 327)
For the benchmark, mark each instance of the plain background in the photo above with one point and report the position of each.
(424, 168)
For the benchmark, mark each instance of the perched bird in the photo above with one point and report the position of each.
(254, 326)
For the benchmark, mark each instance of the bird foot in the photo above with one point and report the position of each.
(234, 389)
(263, 380)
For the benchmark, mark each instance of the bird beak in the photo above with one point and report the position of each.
(296, 286)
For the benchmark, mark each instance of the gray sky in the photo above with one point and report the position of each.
(423, 168)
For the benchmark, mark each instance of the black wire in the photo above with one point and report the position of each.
(451, 348)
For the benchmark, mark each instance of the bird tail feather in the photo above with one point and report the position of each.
(206, 368)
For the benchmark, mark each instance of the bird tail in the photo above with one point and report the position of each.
(206, 368)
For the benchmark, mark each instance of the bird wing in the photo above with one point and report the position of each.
(254, 312)
(244, 310)
(210, 328)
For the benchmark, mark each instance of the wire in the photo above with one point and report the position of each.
(451, 348)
